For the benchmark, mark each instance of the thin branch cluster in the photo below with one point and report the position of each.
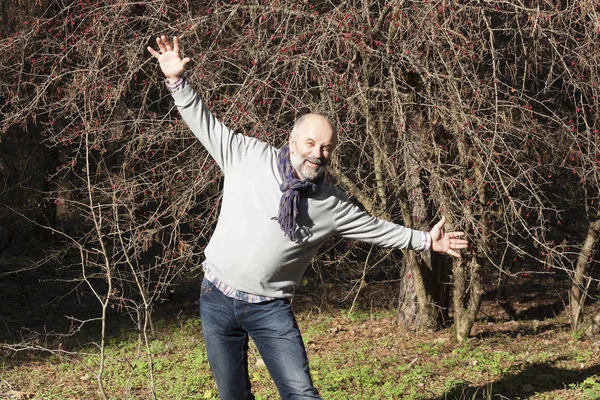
(484, 111)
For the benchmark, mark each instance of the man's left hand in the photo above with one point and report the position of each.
(446, 242)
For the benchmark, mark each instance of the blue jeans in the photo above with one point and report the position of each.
(227, 323)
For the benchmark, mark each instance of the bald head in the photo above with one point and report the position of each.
(312, 141)
(315, 122)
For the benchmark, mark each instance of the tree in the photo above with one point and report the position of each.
(480, 112)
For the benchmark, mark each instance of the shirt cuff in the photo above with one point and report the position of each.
(178, 84)
(425, 241)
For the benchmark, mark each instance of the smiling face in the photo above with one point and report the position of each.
(311, 143)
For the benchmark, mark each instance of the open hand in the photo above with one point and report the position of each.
(446, 242)
(169, 58)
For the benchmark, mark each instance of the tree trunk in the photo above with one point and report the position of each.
(416, 307)
(581, 280)
(408, 306)
(467, 296)
(468, 287)
(424, 294)
(594, 327)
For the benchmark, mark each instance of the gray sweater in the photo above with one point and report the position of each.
(248, 250)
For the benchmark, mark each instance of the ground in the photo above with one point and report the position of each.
(525, 351)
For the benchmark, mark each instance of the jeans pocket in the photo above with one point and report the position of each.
(206, 287)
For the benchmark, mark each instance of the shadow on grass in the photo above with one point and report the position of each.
(534, 379)
(516, 330)
(523, 306)
(46, 312)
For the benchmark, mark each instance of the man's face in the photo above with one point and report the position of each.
(311, 150)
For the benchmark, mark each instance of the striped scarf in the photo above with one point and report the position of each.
(291, 188)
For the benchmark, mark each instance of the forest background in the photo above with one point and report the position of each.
(485, 112)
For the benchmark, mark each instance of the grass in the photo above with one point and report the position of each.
(361, 356)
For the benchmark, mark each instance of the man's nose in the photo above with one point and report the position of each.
(317, 152)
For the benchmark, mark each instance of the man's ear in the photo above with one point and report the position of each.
(292, 143)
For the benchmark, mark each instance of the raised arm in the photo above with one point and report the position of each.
(226, 148)
(169, 58)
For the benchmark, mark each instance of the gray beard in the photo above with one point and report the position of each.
(303, 172)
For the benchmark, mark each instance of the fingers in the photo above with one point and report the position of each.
(453, 253)
(164, 46)
(451, 240)
(161, 45)
(441, 223)
(175, 44)
(455, 234)
(457, 243)
(153, 52)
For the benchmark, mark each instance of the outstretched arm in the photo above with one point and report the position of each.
(169, 58)
(226, 148)
(446, 242)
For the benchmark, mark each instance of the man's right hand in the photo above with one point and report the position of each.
(169, 58)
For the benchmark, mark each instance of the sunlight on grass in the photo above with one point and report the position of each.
(360, 357)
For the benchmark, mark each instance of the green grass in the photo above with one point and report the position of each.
(360, 356)
(590, 387)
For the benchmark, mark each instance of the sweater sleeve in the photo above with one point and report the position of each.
(353, 223)
(225, 146)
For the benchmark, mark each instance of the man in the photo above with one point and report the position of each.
(277, 210)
